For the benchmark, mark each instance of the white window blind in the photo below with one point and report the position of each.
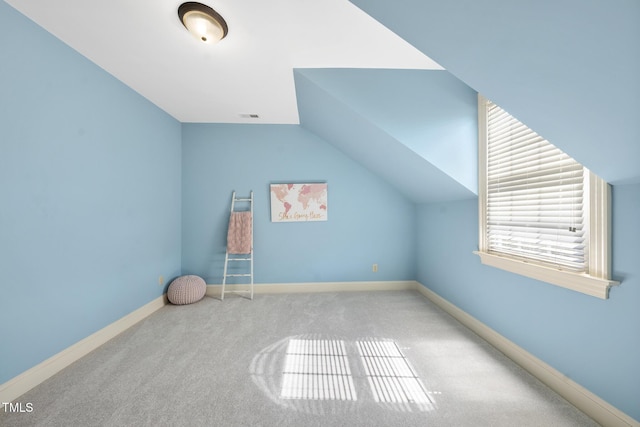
(537, 207)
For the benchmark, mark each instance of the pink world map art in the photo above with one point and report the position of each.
(298, 202)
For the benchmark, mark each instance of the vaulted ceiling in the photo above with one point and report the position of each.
(144, 44)
(568, 70)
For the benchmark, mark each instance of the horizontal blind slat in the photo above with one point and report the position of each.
(535, 200)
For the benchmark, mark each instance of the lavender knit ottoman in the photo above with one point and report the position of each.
(186, 290)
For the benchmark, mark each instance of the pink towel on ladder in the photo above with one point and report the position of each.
(239, 234)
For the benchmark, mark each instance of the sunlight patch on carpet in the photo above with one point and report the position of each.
(317, 370)
(322, 374)
(391, 378)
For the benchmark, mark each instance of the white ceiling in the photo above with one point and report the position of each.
(143, 44)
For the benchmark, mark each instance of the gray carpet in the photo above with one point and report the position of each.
(220, 363)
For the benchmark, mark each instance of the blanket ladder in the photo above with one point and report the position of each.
(242, 256)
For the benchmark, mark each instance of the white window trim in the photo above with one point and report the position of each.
(598, 281)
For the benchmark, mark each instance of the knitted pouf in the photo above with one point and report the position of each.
(186, 290)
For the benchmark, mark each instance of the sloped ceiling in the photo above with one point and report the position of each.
(569, 69)
(415, 128)
(144, 45)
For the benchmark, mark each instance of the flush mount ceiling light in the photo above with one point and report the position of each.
(203, 22)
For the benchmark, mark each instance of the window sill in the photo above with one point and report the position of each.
(583, 283)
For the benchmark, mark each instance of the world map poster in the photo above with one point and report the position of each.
(298, 202)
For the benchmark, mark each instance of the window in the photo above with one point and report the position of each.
(542, 214)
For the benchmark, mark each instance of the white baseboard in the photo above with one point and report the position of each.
(311, 287)
(583, 399)
(24, 382)
(580, 397)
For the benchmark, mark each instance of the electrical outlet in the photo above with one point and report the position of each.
(160, 280)
(375, 268)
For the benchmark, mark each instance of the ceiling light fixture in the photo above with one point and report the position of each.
(203, 22)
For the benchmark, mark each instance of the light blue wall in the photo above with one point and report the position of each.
(368, 220)
(92, 210)
(89, 196)
(592, 341)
